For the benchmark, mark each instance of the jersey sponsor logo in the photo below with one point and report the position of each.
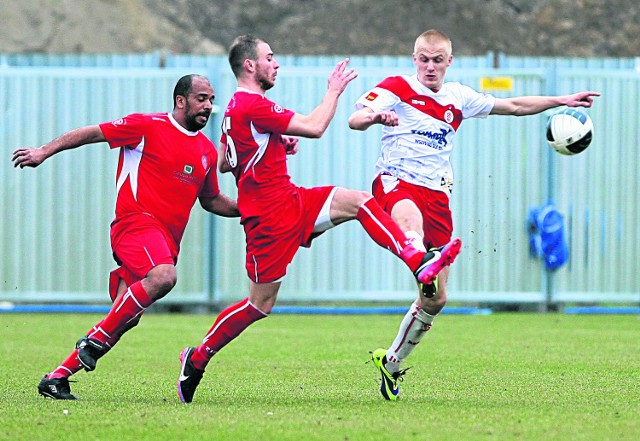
(118, 122)
(278, 109)
(418, 102)
(186, 176)
(372, 96)
(435, 140)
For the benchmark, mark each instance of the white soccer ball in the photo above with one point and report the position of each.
(569, 131)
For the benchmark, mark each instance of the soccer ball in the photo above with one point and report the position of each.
(569, 131)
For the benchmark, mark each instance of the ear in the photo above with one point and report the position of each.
(180, 101)
(249, 65)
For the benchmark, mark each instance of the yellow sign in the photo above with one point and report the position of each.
(496, 84)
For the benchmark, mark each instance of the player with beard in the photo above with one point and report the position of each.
(165, 164)
(278, 216)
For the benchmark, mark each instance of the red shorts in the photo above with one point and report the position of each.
(139, 243)
(437, 222)
(273, 239)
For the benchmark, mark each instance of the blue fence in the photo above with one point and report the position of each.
(54, 227)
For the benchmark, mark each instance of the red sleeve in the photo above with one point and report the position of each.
(270, 117)
(210, 188)
(125, 131)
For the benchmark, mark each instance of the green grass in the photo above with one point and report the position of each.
(497, 377)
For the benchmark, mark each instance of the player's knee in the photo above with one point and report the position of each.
(162, 279)
(359, 197)
(440, 300)
(347, 203)
(435, 304)
(364, 196)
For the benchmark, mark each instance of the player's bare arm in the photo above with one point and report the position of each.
(364, 118)
(223, 163)
(222, 205)
(315, 123)
(33, 157)
(530, 105)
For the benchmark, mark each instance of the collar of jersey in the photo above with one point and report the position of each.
(242, 89)
(179, 127)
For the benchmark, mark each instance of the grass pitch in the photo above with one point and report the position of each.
(291, 377)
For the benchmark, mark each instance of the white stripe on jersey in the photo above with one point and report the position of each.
(262, 141)
(130, 166)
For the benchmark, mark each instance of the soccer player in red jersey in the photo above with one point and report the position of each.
(165, 164)
(278, 216)
(420, 115)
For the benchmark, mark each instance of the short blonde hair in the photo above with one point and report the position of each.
(433, 36)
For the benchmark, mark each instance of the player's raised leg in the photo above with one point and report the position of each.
(380, 226)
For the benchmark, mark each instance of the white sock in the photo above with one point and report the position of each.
(416, 240)
(413, 327)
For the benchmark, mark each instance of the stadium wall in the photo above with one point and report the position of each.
(54, 228)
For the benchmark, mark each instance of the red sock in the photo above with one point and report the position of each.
(228, 325)
(133, 303)
(71, 364)
(386, 233)
(68, 367)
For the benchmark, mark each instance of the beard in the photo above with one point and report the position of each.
(265, 82)
(193, 125)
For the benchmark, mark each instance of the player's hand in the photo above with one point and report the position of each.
(340, 77)
(290, 144)
(582, 99)
(28, 157)
(386, 118)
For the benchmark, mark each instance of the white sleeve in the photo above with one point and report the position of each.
(476, 104)
(377, 99)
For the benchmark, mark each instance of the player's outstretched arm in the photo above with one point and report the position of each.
(33, 157)
(315, 123)
(580, 99)
(221, 205)
(530, 105)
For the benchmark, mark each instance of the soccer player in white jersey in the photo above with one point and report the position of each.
(420, 115)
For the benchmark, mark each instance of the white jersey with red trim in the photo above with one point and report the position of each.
(418, 149)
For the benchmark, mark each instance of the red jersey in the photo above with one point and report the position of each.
(252, 130)
(163, 168)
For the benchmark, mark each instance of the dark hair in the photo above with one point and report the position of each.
(243, 47)
(183, 86)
